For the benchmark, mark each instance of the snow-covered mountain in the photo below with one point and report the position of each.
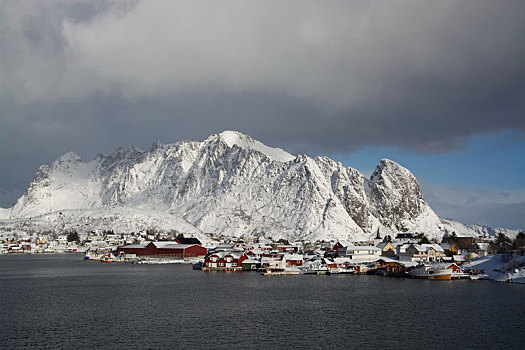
(450, 226)
(235, 185)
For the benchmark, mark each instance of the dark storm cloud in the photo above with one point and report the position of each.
(309, 76)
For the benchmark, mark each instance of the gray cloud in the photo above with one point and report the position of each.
(481, 206)
(310, 76)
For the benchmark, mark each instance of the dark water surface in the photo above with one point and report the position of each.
(62, 301)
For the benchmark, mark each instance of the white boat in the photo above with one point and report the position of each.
(342, 271)
(108, 258)
(460, 275)
(430, 272)
(282, 272)
(92, 255)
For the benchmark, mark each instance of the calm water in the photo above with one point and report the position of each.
(62, 301)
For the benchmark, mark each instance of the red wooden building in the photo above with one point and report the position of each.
(226, 261)
(294, 259)
(454, 267)
(165, 249)
(286, 248)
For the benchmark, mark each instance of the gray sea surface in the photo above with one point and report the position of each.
(64, 302)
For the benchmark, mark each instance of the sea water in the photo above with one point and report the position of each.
(63, 301)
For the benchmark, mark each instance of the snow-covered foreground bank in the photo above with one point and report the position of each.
(500, 267)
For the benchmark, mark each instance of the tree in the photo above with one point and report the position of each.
(283, 241)
(72, 236)
(520, 240)
(502, 238)
(423, 239)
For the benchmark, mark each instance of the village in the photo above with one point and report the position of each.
(404, 255)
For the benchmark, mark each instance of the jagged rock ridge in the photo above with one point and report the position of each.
(233, 184)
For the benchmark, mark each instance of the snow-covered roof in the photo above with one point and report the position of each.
(387, 259)
(459, 257)
(269, 258)
(436, 247)
(225, 246)
(293, 257)
(445, 246)
(364, 248)
(363, 260)
(346, 243)
(427, 247)
(382, 245)
(222, 254)
(483, 246)
(172, 245)
(135, 246)
(251, 261)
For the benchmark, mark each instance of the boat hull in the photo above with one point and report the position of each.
(431, 273)
(433, 277)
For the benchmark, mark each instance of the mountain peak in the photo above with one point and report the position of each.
(232, 137)
(156, 145)
(236, 138)
(387, 166)
(68, 157)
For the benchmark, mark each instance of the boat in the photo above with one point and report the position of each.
(106, 259)
(342, 271)
(198, 266)
(317, 269)
(380, 271)
(280, 272)
(430, 272)
(110, 258)
(460, 275)
(317, 272)
(479, 276)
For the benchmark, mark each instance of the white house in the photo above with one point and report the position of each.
(363, 253)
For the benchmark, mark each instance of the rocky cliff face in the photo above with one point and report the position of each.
(233, 184)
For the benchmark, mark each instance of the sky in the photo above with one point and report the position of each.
(437, 86)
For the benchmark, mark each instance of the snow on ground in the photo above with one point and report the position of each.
(4, 213)
(118, 219)
(500, 267)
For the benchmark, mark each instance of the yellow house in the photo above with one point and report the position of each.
(428, 252)
(387, 249)
(450, 249)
